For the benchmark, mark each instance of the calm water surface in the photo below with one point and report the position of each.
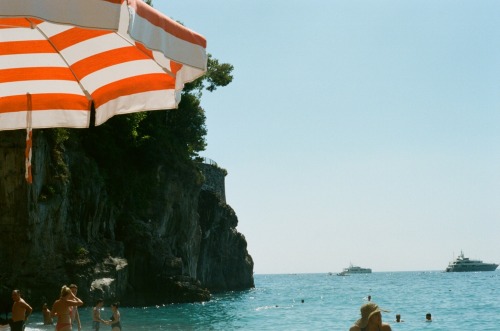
(457, 301)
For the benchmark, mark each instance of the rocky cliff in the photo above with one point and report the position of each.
(153, 237)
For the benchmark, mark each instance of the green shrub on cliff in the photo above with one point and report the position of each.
(153, 135)
(128, 144)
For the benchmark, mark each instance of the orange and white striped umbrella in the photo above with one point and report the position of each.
(122, 55)
(61, 58)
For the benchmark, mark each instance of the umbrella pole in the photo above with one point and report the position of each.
(92, 113)
(29, 140)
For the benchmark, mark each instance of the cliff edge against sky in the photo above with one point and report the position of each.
(151, 237)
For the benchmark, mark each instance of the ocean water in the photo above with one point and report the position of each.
(457, 301)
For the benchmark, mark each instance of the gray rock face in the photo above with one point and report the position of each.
(224, 262)
(164, 241)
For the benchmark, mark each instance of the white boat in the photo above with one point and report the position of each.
(352, 270)
(464, 264)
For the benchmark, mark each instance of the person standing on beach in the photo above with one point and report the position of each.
(75, 316)
(62, 308)
(96, 315)
(371, 319)
(20, 312)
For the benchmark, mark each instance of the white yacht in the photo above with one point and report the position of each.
(354, 270)
(463, 264)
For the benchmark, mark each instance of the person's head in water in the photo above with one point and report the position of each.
(428, 317)
(398, 318)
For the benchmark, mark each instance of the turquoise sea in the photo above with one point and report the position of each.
(457, 301)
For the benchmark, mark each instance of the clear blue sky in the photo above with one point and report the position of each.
(356, 131)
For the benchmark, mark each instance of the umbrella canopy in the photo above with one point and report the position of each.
(61, 58)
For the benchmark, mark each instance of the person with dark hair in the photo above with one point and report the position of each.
(428, 317)
(75, 316)
(371, 319)
(20, 312)
(96, 315)
(47, 319)
(115, 318)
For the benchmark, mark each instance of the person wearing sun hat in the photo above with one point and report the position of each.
(371, 319)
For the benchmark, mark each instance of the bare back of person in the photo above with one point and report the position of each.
(61, 309)
(47, 319)
(383, 327)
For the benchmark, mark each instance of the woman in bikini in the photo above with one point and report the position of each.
(62, 309)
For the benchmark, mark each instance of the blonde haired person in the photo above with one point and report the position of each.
(62, 308)
(371, 319)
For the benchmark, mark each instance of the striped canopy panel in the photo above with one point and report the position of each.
(57, 57)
